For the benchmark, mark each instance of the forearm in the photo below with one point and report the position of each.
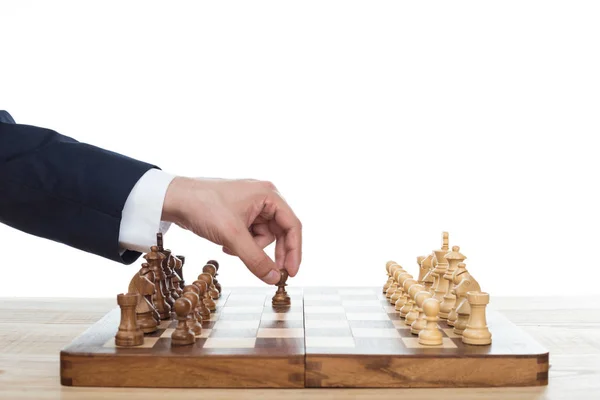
(55, 187)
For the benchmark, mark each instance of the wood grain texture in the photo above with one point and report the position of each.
(33, 331)
(93, 360)
(513, 358)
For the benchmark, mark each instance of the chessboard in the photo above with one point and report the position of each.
(328, 337)
(425, 331)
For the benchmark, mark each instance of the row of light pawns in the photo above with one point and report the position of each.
(444, 290)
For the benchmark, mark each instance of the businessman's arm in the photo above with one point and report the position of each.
(111, 205)
(57, 188)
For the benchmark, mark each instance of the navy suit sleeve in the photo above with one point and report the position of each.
(57, 188)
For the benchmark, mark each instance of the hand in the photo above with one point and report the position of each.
(243, 216)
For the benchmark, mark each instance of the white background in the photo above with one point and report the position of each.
(382, 123)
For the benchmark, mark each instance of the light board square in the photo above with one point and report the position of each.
(367, 316)
(328, 342)
(323, 324)
(375, 333)
(280, 333)
(323, 309)
(229, 324)
(243, 310)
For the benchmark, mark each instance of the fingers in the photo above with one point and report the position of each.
(291, 228)
(257, 261)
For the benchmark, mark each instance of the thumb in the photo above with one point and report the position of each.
(257, 261)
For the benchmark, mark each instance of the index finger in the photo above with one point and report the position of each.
(292, 228)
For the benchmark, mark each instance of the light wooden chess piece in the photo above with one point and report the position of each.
(212, 270)
(422, 270)
(453, 258)
(402, 297)
(129, 333)
(427, 266)
(431, 334)
(182, 335)
(464, 282)
(146, 314)
(442, 284)
(394, 285)
(453, 315)
(208, 299)
(281, 297)
(477, 332)
(216, 282)
(203, 288)
(193, 323)
(413, 314)
(155, 259)
(408, 304)
(420, 322)
(399, 291)
(389, 274)
(398, 298)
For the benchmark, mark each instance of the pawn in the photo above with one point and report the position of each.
(195, 289)
(129, 333)
(409, 302)
(420, 322)
(390, 279)
(281, 297)
(212, 271)
(431, 334)
(413, 314)
(193, 323)
(211, 292)
(216, 264)
(182, 335)
(205, 299)
(477, 331)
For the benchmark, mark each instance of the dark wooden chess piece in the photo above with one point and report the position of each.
(146, 315)
(193, 323)
(167, 272)
(180, 270)
(203, 289)
(182, 335)
(212, 270)
(129, 333)
(281, 297)
(216, 264)
(198, 311)
(211, 291)
(155, 259)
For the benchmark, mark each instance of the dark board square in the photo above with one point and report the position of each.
(283, 310)
(281, 324)
(269, 343)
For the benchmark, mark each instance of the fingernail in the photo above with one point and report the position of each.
(272, 277)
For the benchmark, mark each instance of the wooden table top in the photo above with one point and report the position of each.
(33, 331)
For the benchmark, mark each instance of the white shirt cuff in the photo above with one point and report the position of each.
(141, 216)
